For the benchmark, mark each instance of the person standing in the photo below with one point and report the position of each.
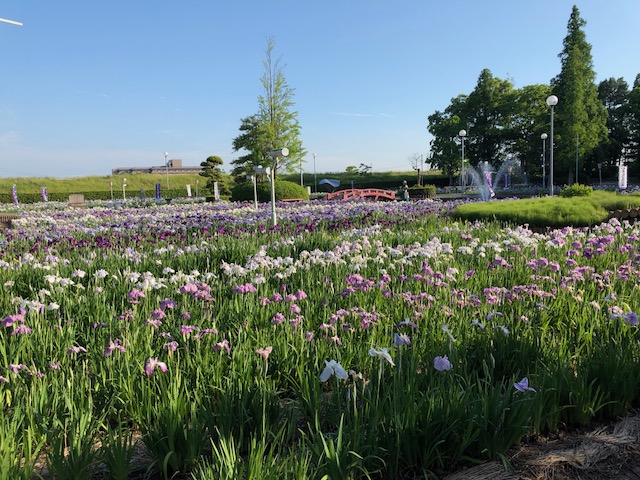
(405, 191)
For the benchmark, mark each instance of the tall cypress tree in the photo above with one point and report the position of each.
(580, 118)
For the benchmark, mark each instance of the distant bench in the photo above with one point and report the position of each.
(6, 218)
(76, 200)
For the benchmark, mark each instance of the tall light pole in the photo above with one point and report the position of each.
(544, 137)
(301, 177)
(166, 165)
(600, 172)
(462, 134)
(254, 182)
(552, 101)
(275, 154)
(315, 178)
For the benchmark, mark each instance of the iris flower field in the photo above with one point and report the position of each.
(354, 340)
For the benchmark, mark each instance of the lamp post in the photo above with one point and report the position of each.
(315, 178)
(255, 187)
(275, 154)
(301, 177)
(600, 172)
(552, 101)
(462, 134)
(166, 165)
(544, 137)
(124, 186)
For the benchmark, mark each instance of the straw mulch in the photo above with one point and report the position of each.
(608, 451)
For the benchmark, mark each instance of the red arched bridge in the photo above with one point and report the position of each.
(374, 193)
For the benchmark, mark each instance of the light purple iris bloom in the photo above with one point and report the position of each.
(631, 318)
(442, 363)
(523, 385)
(400, 339)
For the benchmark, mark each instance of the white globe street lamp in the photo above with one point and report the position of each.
(552, 101)
(462, 134)
(544, 137)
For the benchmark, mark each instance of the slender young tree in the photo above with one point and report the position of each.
(278, 122)
(275, 126)
(580, 116)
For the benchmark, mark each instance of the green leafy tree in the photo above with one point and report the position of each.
(275, 125)
(614, 94)
(364, 170)
(580, 116)
(633, 153)
(488, 112)
(444, 127)
(212, 172)
(529, 120)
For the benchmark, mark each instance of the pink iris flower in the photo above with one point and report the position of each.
(264, 352)
(153, 363)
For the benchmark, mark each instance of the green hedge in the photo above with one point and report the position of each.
(284, 190)
(422, 191)
(101, 195)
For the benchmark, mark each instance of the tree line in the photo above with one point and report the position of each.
(595, 126)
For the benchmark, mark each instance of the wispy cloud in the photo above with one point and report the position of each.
(10, 137)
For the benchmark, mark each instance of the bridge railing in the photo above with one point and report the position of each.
(375, 193)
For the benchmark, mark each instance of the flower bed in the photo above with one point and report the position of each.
(353, 338)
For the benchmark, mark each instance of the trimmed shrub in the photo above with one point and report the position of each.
(428, 191)
(576, 190)
(243, 192)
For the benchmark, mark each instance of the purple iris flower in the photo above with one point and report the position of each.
(523, 385)
(442, 363)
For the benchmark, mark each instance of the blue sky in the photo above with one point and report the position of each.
(89, 86)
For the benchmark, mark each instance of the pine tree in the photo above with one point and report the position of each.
(580, 117)
(212, 172)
